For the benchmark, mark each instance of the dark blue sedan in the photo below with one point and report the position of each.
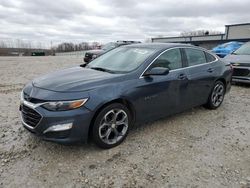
(130, 84)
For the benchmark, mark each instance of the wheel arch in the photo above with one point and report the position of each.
(123, 101)
(223, 80)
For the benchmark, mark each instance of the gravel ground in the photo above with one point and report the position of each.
(197, 148)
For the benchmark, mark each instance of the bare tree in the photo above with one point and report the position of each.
(3, 44)
(84, 46)
(199, 33)
(95, 45)
(65, 47)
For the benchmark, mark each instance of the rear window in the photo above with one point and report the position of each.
(210, 57)
(195, 57)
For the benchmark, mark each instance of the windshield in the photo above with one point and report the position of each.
(109, 46)
(121, 60)
(243, 50)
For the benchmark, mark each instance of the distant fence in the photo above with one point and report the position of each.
(76, 53)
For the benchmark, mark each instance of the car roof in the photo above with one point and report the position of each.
(159, 46)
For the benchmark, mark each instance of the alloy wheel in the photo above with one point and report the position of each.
(113, 126)
(218, 94)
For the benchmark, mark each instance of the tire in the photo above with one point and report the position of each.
(217, 96)
(111, 126)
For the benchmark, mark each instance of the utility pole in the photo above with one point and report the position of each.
(51, 53)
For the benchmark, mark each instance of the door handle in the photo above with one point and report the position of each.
(210, 70)
(182, 77)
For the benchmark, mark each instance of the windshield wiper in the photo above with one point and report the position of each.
(102, 69)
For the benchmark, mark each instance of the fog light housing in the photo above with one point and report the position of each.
(59, 127)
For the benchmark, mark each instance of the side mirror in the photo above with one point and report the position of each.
(157, 71)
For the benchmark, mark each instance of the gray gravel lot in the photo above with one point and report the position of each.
(197, 148)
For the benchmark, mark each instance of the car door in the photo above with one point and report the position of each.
(200, 75)
(159, 95)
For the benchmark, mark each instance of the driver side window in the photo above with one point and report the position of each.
(171, 59)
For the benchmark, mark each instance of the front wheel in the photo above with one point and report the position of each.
(111, 126)
(217, 96)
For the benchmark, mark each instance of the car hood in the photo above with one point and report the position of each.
(74, 80)
(237, 58)
(95, 52)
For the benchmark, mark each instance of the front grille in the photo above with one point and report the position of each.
(240, 72)
(30, 116)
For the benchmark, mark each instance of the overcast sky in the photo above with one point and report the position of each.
(110, 20)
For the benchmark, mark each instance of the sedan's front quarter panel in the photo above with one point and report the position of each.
(109, 92)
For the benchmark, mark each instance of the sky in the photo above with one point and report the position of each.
(110, 20)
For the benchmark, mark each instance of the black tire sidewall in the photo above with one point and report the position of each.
(210, 103)
(95, 130)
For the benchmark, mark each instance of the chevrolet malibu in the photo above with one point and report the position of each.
(131, 84)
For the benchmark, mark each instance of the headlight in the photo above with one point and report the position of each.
(64, 105)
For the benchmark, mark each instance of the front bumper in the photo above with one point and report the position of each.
(241, 74)
(241, 79)
(79, 118)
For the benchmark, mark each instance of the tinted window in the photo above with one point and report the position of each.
(195, 57)
(170, 59)
(210, 57)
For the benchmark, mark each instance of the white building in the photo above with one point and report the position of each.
(236, 32)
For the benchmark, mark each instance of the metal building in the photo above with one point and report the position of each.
(236, 32)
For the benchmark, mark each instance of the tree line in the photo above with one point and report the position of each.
(70, 47)
(61, 47)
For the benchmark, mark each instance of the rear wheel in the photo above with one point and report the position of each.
(217, 96)
(111, 126)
